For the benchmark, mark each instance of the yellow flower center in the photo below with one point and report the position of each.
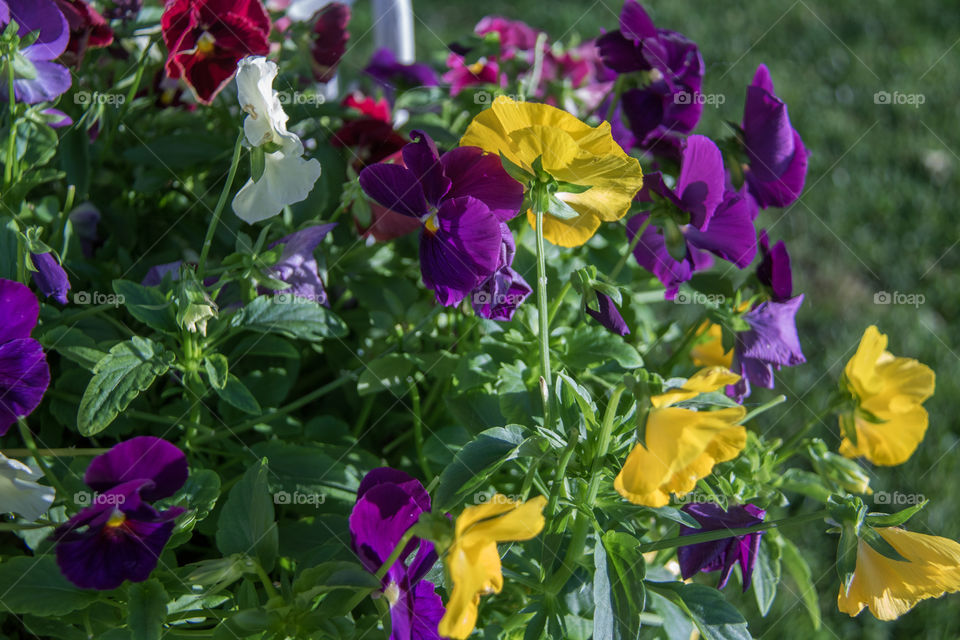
(476, 67)
(432, 223)
(117, 519)
(392, 593)
(205, 43)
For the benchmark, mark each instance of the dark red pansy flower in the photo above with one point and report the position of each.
(88, 29)
(207, 38)
(330, 37)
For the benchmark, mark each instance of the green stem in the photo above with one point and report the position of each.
(12, 136)
(558, 484)
(720, 534)
(24, 526)
(418, 432)
(35, 452)
(132, 92)
(633, 245)
(221, 203)
(395, 554)
(684, 345)
(764, 407)
(54, 453)
(544, 317)
(791, 446)
(265, 580)
(555, 307)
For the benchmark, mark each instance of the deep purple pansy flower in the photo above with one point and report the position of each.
(24, 374)
(385, 69)
(120, 535)
(461, 198)
(704, 217)
(608, 315)
(772, 342)
(774, 268)
(498, 297)
(669, 103)
(724, 553)
(298, 266)
(50, 277)
(389, 502)
(49, 80)
(777, 159)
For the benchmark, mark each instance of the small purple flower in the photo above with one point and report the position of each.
(50, 79)
(776, 155)
(702, 216)
(771, 343)
(298, 266)
(669, 104)
(120, 536)
(123, 9)
(721, 554)
(386, 70)
(774, 269)
(498, 297)
(389, 502)
(461, 198)
(159, 272)
(85, 219)
(24, 374)
(608, 315)
(50, 277)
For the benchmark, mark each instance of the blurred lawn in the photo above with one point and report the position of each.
(878, 214)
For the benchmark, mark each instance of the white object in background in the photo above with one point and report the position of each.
(393, 28)
(18, 491)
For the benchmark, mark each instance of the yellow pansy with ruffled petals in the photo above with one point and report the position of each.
(472, 561)
(890, 588)
(709, 351)
(570, 151)
(891, 390)
(682, 445)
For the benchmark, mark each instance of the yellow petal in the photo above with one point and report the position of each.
(703, 381)
(890, 442)
(574, 232)
(474, 571)
(709, 352)
(555, 148)
(860, 370)
(521, 521)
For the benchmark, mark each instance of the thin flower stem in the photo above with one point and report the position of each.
(418, 432)
(764, 407)
(221, 203)
(720, 534)
(141, 67)
(555, 307)
(791, 446)
(265, 580)
(24, 526)
(55, 453)
(395, 554)
(544, 318)
(8, 172)
(633, 245)
(35, 452)
(684, 345)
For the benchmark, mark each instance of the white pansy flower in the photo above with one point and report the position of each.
(19, 493)
(286, 176)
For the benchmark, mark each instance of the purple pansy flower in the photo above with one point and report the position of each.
(50, 79)
(704, 217)
(84, 220)
(774, 268)
(608, 315)
(668, 105)
(120, 536)
(385, 69)
(298, 266)
(498, 297)
(461, 198)
(777, 158)
(721, 554)
(389, 502)
(771, 343)
(24, 374)
(50, 277)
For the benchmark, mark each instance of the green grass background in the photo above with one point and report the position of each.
(879, 213)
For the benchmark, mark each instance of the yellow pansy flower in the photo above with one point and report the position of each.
(472, 561)
(890, 587)
(570, 152)
(889, 419)
(681, 445)
(708, 352)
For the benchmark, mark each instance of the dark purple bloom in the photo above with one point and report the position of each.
(123, 9)
(701, 217)
(385, 69)
(774, 268)
(50, 79)
(50, 277)
(120, 536)
(776, 155)
(159, 272)
(772, 342)
(461, 198)
(84, 220)
(668, 105)
(608, 315)
(298, 266)
(721, 554)
(24, 374)
(389, 502)
(498, 297)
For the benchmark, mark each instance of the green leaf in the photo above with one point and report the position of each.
(796, 565)
(73, 344)
(560, 209)
(246, 523)
(35, 585)
(627, 569)
(218, 369)
(292, 317)
(388, 373)
(198, 495)
(604, 620)
(589, 345)
(894, 519)
(881, 546)
(146, 610)
(236, 394)
(147, 305)
(128, 369)
(766, 574)
(716, 618)
(338, 574)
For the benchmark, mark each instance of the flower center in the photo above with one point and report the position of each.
(116, 520)
(205, 43)
(431, 222)
(392, 593)
(476, 67)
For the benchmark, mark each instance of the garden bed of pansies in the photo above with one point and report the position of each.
(294, 345)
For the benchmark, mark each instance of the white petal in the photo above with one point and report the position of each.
(286, 179)
(266, 120)
(303, 10)
(19, 494)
